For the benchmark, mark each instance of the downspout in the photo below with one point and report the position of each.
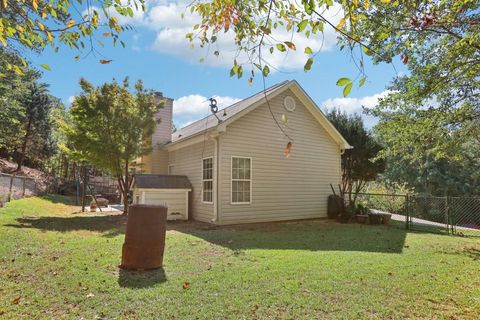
(216, 155)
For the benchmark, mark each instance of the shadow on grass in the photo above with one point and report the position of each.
(313, 235)
(141, 279)
(110, 225)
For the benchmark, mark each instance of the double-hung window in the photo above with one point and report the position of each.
(241, 180)
(207, 180)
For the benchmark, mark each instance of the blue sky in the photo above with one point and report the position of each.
(158, 53)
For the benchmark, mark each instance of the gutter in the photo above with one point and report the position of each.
(216, 154)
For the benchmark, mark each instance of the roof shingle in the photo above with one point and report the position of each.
(157, 181)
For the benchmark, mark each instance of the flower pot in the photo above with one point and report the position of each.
(93, 207)
(361, 218)
(386, 217)
(375, 218)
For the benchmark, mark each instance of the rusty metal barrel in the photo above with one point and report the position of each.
(144, 237)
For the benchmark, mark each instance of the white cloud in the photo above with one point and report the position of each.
(354, 105)
(70, 100)
(165, 18)
(171, 29)
(188, 109)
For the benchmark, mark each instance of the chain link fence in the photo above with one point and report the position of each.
(17, 187)
(455, 215)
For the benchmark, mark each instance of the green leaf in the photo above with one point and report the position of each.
(281, 47)
(308, 50)
(362, 82)
(367, 51)
(302, 25)
(266, 71)
(239, 72)
(343, 82)
(308, 65)
(347, 89)
(45, 66)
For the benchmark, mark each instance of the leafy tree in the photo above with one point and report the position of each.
(26, 121)
(34, 24)
(109, 127)
(12, 89)
(360, 164)
(442, 34)
(35, 123)
(433, 158)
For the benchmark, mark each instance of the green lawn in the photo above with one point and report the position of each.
(56, 263)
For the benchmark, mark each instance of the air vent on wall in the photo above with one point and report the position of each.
(289, 103)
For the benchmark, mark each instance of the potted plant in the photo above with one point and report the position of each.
(347, 213)
(362, 214)
(374, 217)
(386, 217)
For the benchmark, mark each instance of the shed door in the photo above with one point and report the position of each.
(175, 201)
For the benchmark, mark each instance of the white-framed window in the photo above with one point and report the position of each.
(171, 169)
(241, 192)
(207, 180)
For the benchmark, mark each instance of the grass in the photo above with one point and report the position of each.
(56, 263)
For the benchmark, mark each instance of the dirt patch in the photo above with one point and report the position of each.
(40, 177)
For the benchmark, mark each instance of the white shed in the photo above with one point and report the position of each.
(171, 191)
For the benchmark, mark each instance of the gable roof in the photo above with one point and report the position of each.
(158, 181)
(223, 114)
(236, 110)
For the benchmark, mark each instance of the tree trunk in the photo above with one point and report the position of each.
(84, 186)
(126, 189)
(24, 145)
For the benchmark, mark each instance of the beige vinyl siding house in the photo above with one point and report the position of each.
(188, 161)
(282, 188)
(237, 166)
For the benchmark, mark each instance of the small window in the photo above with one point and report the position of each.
(171, 170)
(241, 180)
(207, 180)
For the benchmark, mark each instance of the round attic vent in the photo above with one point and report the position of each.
(289, 103)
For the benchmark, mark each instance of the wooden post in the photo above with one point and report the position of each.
(23, 189)
(84, 186)
(407, 212)
(12, 177)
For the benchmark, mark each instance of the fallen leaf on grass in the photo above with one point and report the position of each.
(16, 300)
(186, 285)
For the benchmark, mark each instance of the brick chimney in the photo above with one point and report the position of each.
(163, 130)
(157, 161)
